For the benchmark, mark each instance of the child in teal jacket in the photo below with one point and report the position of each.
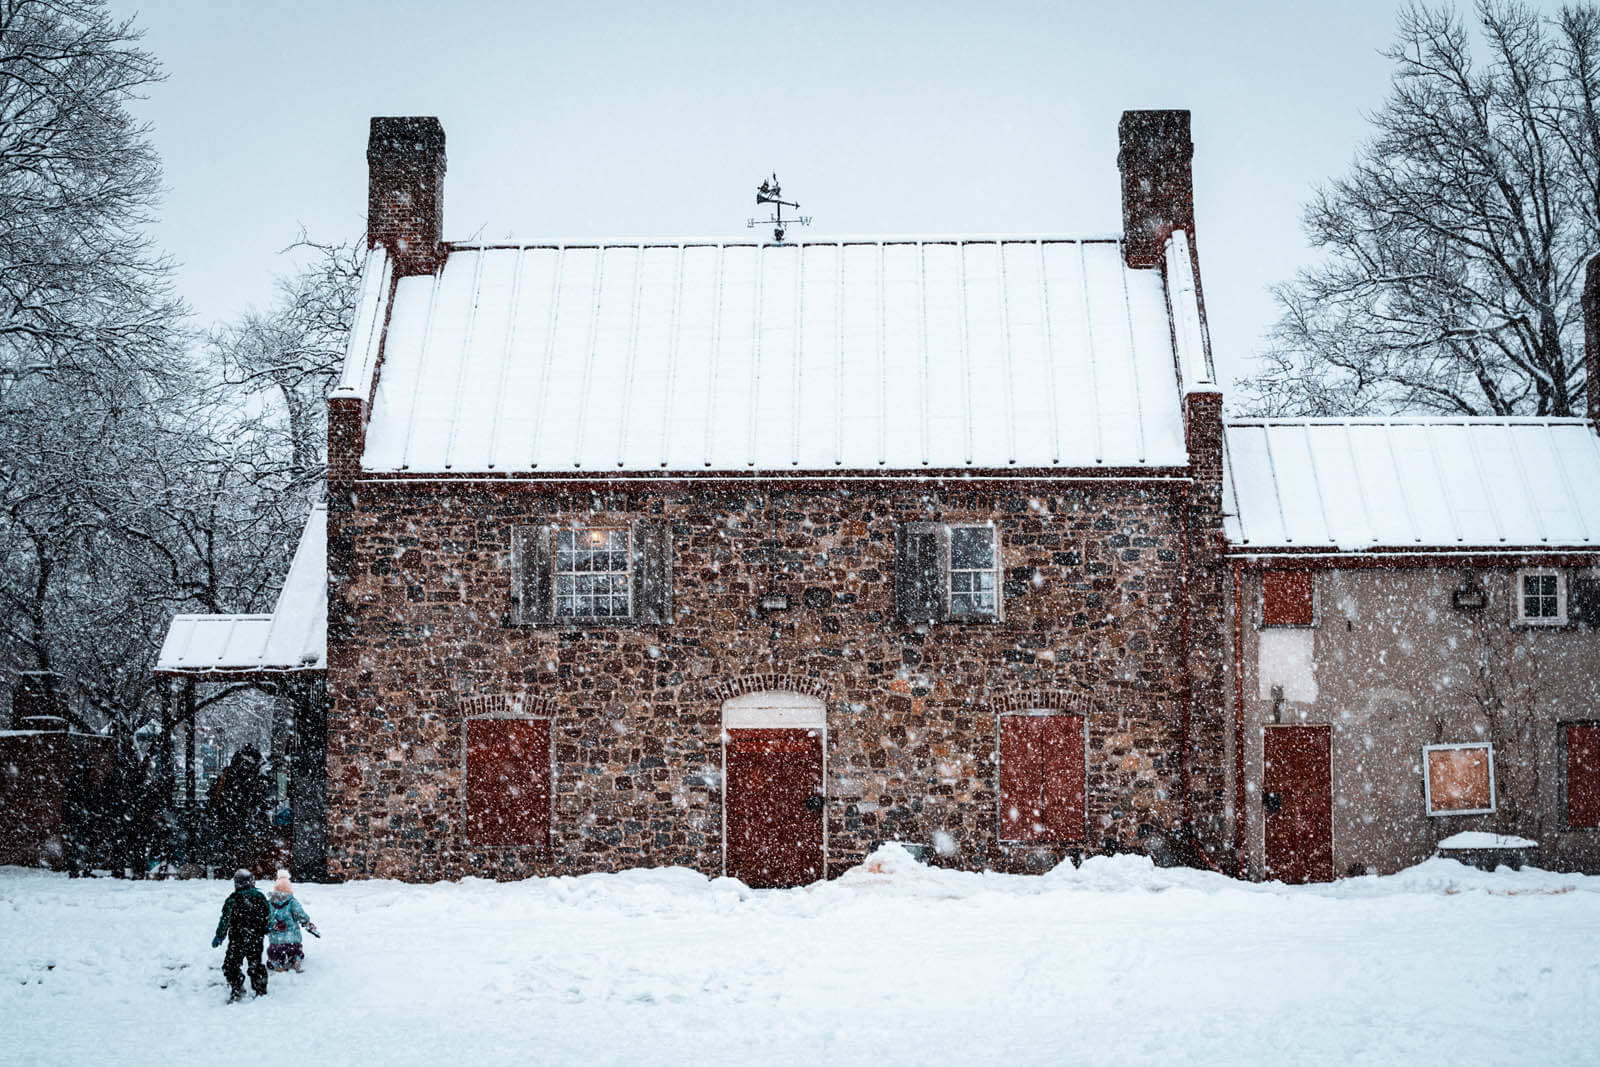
(284, 950)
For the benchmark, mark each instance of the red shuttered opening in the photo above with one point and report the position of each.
(1286, 598)
(508, 782)
(1042, 778)
(1583, 776)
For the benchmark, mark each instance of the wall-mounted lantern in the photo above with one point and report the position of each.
(1469, 596)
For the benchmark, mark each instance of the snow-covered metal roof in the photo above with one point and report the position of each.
(1429, 483)
(293, 638)
(841, 354)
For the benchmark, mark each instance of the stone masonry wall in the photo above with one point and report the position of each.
(419, 629)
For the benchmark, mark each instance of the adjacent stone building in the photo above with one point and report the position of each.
(1417, 625)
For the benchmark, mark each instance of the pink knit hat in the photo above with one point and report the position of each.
(282, 884)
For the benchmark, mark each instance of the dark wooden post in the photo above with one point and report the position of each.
(308, 777)
(190, 831)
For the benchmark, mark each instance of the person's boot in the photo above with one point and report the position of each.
(297, 969)
(235, 995)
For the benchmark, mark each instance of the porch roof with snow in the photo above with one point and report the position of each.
(294, 638)
(1471, 485)
(847, 354)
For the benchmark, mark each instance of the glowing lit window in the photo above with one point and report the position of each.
(592, 579)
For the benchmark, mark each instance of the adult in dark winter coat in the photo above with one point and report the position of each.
(244, 924)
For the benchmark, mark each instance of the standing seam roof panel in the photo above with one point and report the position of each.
(898, 354)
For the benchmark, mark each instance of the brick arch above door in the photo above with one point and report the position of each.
(745, 684)
(501, 705)
(1048, 700)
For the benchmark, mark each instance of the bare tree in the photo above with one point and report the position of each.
(1456, 244)
(82, 292)
(295, 350)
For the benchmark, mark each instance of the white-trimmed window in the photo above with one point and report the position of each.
(972, 572)
(592, 574)
(1459, 779)
(1541, 597)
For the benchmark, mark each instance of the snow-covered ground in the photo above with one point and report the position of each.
(893, 963)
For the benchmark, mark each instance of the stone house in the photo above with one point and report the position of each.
(749, 556)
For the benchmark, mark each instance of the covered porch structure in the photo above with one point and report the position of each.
(283, 654)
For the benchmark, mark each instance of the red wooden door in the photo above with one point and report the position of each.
(774, 804)
(1297, 796)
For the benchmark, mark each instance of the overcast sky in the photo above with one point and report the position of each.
(604, 119)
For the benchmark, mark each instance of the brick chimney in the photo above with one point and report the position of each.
(1591, 337)
(1157, 182)
(405, 192)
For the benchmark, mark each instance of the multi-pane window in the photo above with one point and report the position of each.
(972, 571)
(591, 575)
(1541, 598)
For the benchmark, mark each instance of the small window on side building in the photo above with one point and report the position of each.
(1286, 598)
(1541, 597)
(1459, 779)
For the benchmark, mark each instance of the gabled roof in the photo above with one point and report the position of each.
(848, 354)
(293, 638)
(1412, 483)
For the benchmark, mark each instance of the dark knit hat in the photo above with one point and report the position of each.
(242, 878)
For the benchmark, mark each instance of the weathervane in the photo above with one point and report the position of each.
(770, 193)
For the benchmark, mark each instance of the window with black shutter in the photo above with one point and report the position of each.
(591, 574)
(946, 572)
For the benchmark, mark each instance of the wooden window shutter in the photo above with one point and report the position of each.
(919, 572)
(1286, 598)
(532, 552)
(508, 782)
(652, 573)
(1063, 777)
(1583, 776)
